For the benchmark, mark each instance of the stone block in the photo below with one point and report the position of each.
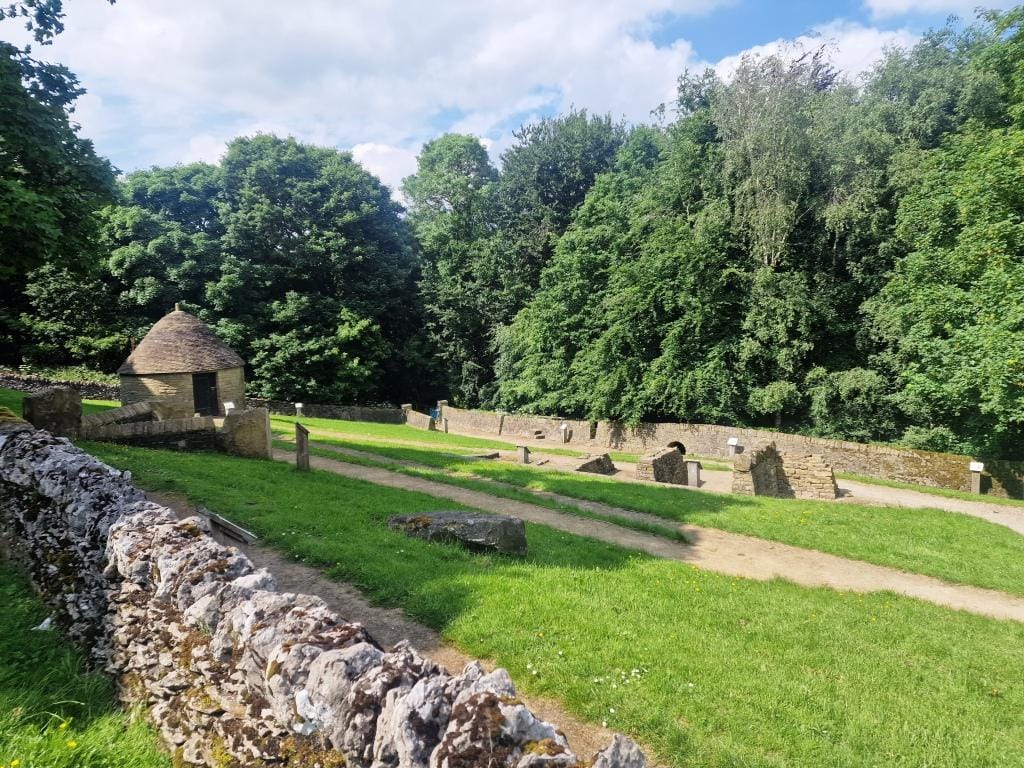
(666, 466)
(247, 433)
(58, 410)
(598, 465)
(475, 531)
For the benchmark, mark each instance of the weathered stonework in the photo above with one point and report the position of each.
(944, 470)
(766, 472)
(232, 672)
(55, 409)
(27, 383)
(665, 466)
(598, 465)
(247, 433)
(342, 412)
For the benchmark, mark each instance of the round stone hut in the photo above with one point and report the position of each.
(185, 366)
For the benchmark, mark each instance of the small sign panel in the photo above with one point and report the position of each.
(228, 405)
(977, 466)
(733, 441)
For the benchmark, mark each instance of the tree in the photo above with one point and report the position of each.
(451, 209)
(51, 180)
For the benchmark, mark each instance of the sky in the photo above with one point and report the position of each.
(173, 82)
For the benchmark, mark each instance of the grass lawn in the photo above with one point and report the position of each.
(951, 546)
(52, 712)
(707, 670)
(11, 398)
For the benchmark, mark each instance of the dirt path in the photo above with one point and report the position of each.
(389, 625)
(714, 550)
(717, 481)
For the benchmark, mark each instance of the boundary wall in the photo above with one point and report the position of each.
(231, 671)
(942, 470)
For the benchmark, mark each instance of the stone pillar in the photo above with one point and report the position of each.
(523, 454)
(301, 448)
(298, 410)
(693, 468)
(406, 407)
(58, 410)
(976, 468)
(733, 444)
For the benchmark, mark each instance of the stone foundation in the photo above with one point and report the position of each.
(666, 466)
(766, 472)
(232, 672)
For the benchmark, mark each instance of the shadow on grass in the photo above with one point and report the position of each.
(339, 525)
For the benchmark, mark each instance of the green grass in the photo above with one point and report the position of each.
(52, 712)
(947, 545)
(706, 670)
(492, 488)
(947, 493)
(11, 398)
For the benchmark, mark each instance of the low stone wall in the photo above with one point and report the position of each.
(513, 425)
(765, 471)
(665, 466)
(943, 470)
(231, 671)
(90, 391)
(343, 412)
(419, 420)
(197, 433)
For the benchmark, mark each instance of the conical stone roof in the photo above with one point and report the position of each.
(180, 343)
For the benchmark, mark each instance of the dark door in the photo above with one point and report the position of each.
(204, 393)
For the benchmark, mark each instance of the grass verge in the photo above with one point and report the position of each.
(52, 712)
(11, 398)
(947, 493)
(947, 545)
(707, 670)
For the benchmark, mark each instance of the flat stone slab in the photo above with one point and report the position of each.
(482, 533)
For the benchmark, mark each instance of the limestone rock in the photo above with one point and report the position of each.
(476, 531)
(621, 753)
(58, 410)
(598, 465)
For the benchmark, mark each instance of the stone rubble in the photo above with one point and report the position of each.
(231, 671)
(474, 530)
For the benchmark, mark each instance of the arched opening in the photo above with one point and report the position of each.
(678, 446)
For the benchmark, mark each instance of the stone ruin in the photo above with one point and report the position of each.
(665, 466)
(767, 472)
(231, 671)
(598, 465)
(146, 423)
(473, 530)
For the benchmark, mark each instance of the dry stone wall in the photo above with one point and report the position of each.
(25, 383)
(233, 672)
(943, 470)
(343, 412)
(665, 466)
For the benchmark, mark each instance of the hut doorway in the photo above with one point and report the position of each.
(204, 393)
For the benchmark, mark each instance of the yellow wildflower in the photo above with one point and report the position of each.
(64, 726)
(72, 743)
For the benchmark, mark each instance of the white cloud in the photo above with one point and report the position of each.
(174, 79)
(853, 48)
(881, 9)
(390, 164)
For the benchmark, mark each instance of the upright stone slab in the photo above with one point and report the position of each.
(58, 410)
(523, 454)
(247, 433)
(301, 448)
(693, 468)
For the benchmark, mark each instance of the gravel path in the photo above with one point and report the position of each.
(717, 481)
(714, 550)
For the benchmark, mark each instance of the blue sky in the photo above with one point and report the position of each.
(174, 81)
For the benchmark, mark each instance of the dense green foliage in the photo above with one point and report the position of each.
(783, 248)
